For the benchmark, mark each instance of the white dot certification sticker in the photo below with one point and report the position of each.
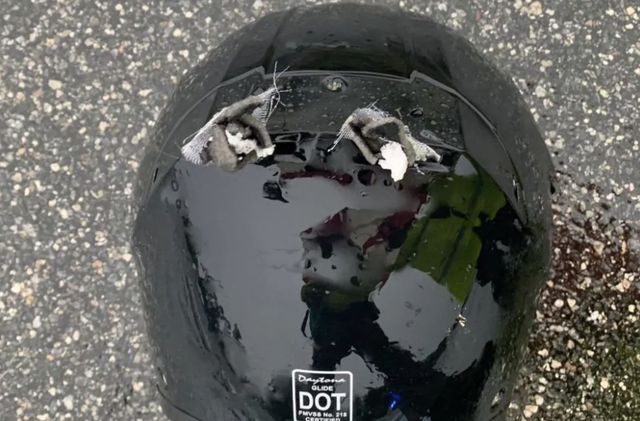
(322, 395)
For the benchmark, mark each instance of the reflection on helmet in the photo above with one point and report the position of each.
(441, 228)
(458, 204)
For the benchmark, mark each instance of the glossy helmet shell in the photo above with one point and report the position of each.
(411, 299)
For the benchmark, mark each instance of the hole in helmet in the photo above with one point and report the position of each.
(271, 190)
(367, 177)
(497, 399)
(161, 376)
(416, 112)
(335, 84)
(516, 189)
(285, 148)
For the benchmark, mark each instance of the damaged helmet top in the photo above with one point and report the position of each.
(343, 214)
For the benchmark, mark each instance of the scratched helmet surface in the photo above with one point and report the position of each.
(342, 214)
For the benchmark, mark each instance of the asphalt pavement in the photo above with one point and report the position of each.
(81, 83)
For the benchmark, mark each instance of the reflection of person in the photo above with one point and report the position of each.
(349, 255)
(445, 243)
(354, 252)
(414, 387)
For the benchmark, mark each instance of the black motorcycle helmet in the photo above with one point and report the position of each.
(343, 214)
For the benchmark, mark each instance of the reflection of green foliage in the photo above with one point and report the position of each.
(449, 253)
(470, 195)
(448, 248)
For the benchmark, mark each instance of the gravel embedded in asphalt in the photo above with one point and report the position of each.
(81, 83)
